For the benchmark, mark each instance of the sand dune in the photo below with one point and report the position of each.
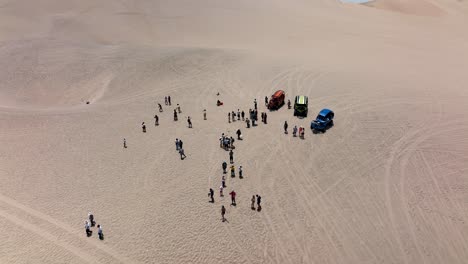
(386, 184)
(417, 7)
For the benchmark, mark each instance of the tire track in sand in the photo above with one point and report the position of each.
(46, 235)
(97, 244)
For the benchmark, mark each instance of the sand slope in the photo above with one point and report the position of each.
(386, 184)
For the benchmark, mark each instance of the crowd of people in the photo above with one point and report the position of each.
(225, 142)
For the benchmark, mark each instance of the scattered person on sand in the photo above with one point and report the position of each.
(233, 197)
(169, 100)
(175, 115)
(285, 127)
(233, 114)
(165, 100)
(259, 200)
(223, 212)
(252, 206)
(247, 121)
(219, 103)
(223, 181)
(255, 104)
(289, 104)
(125, 143)
(231, 142)
(233, 173)
(239, 133)
(182, 154)
(160, 107)
(224, 166)
(240, 172)
(231, 156)
(100, 234)
(266, 100)
(88, 229)
(301, 132)
(238, 114)
(211, 195)
(229, 117)
(265, 118)
(180, 143)
(221, 191)
(143, 126)
(294, 131)
(91, 219)
(204, 114)
(178, 109)
(176, 144)
(189, 121)
(156, 120)
(243, 115)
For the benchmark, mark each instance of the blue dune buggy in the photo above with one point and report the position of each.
(323, 121)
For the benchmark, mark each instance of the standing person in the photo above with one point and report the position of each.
(240, 172)
(178, 109)
(169, 100)
(231, 156)
(294, 131)
(88, 229)
(143, 127)
(231, 141)
(211, 195)
(229, 117)
(238, 114)
(204, 114)
(255, 104)
(285, 127)
(259, 200)
(156, 120)
(289, 104)
(223, 181)
(238, 132)
(223, 212)
(233, 174)
(125, 143)
(243, 115)
(165, 100)
(233, 114)
(265, 118)
(266, 100)
(175, 115)
(224, 166)
(180, 143)
(301, 132)
(91, 219)
(233, 197)
(189, 121)
(160, 107)
(177, 144)
(221, 191)
(252, 206)
(248, 122)
(182, 153)
(100, 234)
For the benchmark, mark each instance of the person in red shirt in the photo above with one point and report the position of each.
(233, 197)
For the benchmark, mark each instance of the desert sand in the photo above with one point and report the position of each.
(387, 183)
